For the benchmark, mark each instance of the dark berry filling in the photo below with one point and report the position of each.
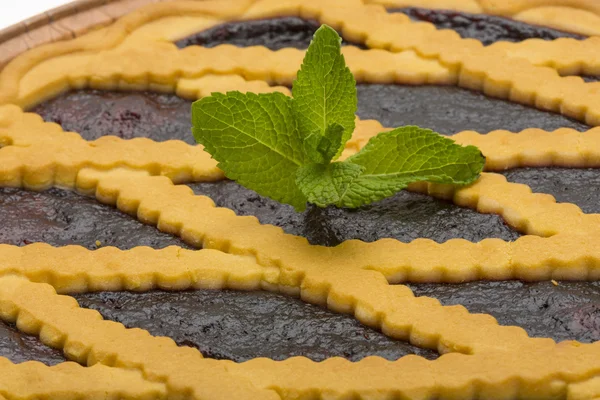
(274, 33)
(486, 28)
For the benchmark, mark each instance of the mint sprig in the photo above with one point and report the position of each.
(283, 147)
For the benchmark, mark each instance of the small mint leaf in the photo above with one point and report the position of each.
(332, 141)
(321, 149)
(310, 145)
(392, 160)
(325, 184)
(325, 90)
(255, 140)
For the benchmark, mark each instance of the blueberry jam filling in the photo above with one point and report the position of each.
(94, 113)
(239, 326)
(274, 33)
(566, 311)
(590, 78)
(486, 28)
(445, 109)
(19, 347)
(578, 186)
(405, 217)
(60, 218)
(449, 109)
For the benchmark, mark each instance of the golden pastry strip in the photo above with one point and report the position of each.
(563, 17)
(486, 69)
(585, 390)
(529, 258)
(505, 150)
(74, 269)
(536, 148)
(543, 368)
(567, 56)
(88, 339)
(34, 380)
(206, 85)
(139, 69)
(515, 6)
(539, 372)
(471, 6)
(531, 213)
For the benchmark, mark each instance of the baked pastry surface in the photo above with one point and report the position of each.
(141, 177)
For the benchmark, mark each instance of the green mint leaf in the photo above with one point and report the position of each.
(310, 145)
(392, 160)
(325, 184)
(325, 90)
(255, 140)
(332, 142)
(321, 149)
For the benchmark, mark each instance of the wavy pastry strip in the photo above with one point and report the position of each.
(585, 390)
(536, 373)
(74, 269)
(567, 56)
(139, 69)
(34, 380)
(505, 150)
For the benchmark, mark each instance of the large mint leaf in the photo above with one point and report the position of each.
(325, 184)
(392, 160)
(255, 140)
(325, 91)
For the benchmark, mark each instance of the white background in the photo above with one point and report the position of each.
(13, 11)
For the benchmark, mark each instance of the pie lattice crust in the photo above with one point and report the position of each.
(481, 359)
